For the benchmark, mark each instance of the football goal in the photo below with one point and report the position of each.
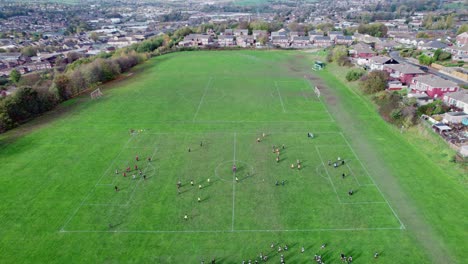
(96, 93)
(317, 91)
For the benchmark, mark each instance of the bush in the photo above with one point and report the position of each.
(354, 74)
(425, 60)
(374, 82)
(396, 114)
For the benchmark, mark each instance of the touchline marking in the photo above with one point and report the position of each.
(201, 99)
(94, 188)
(234, 185)
(243, 133)
(329, 178)
(104, 204)
(366, 203)
(233, 231)
(281, 98)
(372, 179)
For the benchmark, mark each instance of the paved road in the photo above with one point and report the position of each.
(396, 56)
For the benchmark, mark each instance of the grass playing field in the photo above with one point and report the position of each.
(58, 175)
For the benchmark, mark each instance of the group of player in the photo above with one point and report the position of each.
(136, 171)
(317, 257)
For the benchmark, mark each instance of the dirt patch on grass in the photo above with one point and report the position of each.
(325, 92)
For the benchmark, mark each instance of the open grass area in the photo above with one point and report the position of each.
(58, 179)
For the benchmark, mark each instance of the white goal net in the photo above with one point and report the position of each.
(96, 93)
(317, 91)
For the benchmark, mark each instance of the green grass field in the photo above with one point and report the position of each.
(58, 172)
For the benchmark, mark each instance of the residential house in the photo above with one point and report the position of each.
(365, 38)
(278, 33)
(13, 57)
(432, 45)
(343, 40)
(38, 66)
(121, 41)
(293, 34)
(432, 85)
(458, 53)
(300, 42)
(323, 42)
(385, 44)
(378, 62)
(226, 41)
(403, 72)
(462, 39)
(458, 99)
(195, 40)
(241, 32)
(7, 44)
(245, 41)
(361, 50)
(281, 41)
(313, 34)
(394, 85)
(334, 34)
(257, 34)
(421, 99)
(454, 117)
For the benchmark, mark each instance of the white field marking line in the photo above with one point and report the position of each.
(373, 181)
(211, 122)
(139, 179)
(329, 178)
(366, 203)
(113, 161)
(105, 204)
(319, 173)
(321, 101)
(352, 173)
(234, 184)
(249, 133)
(201, 99)
(233, 231)
(280, 97)
(94, 188)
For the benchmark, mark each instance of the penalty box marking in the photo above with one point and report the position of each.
(318, 100)
(94, 188)
(351, 203)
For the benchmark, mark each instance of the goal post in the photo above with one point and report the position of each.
(96, 93)
(317, 91)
